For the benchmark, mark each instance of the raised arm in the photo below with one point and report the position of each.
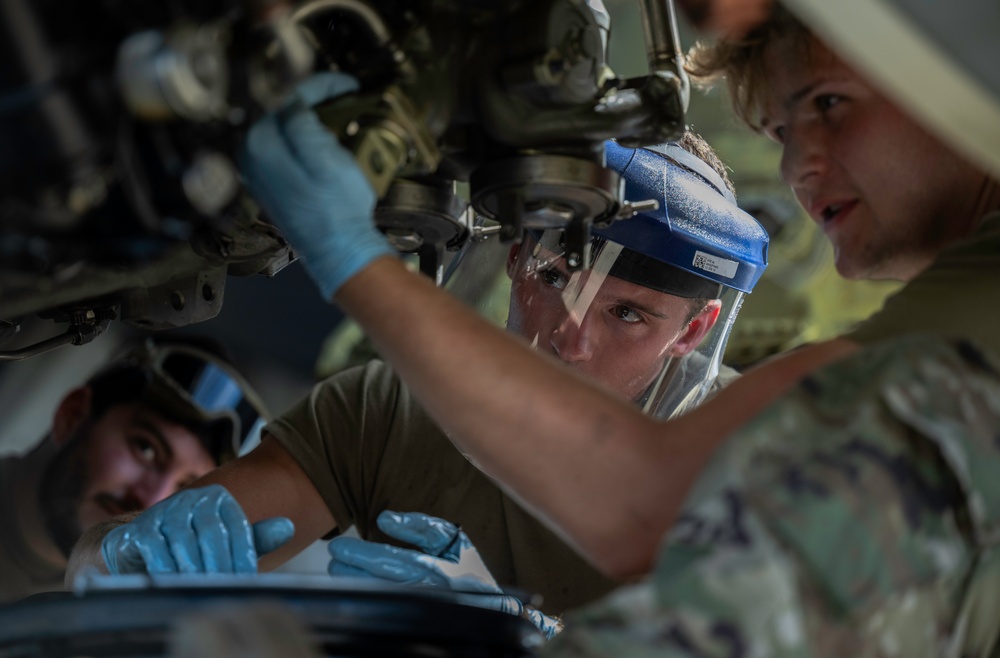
(608, 477)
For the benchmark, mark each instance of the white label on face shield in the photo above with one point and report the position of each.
(715, 265)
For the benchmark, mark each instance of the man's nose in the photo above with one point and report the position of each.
(573, 338)
(804, 154)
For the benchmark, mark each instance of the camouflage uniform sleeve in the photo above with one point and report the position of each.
(856, 516)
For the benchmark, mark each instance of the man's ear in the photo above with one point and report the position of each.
(697, 329)
(72, 411)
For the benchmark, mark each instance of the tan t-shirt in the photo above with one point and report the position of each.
(958, 295)
(368, 446)
(22, 571)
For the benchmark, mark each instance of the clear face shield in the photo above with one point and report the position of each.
(650, 320)
(689, 380)
(645, 330)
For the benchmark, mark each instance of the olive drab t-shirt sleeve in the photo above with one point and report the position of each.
(368, 446)
(955, 296)
(337, 434)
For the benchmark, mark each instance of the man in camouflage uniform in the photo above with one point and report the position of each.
(856, 517)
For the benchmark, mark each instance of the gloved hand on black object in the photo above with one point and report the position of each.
(311, 188)
(446, 558)
(199, 530)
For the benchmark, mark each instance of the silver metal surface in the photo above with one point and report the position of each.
(663, 43)
(181, 73)
(546, 187)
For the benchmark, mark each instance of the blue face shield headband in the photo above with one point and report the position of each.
(697, 228)
(638, 268)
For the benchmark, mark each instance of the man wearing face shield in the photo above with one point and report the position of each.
(359, 444)
(658, 286)
(150, 422)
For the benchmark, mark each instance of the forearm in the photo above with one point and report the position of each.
(608, 477)
(268, 482)
(314, 192)
(584, 460)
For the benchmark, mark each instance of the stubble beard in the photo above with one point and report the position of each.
(885, 258)
(62, 488)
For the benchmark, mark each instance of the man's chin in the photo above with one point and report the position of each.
(875, 269)
(853, 265)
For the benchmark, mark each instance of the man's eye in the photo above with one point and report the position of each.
(627, 314)
(826, 101)
(144, 449)
(555, 278)
(775, 133)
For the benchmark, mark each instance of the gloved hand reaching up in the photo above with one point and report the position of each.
(446, 558)
(200, 530)
(311, 188)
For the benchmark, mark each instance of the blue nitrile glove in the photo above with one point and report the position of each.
(200, 530)
(311, 188)
(446, 559)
